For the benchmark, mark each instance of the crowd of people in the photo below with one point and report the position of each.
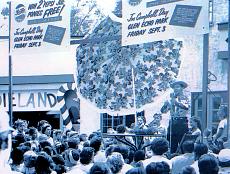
(43, 150)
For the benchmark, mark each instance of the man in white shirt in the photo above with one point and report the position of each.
(159, 146)
(221, 133)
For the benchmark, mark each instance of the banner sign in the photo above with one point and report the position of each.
(31, 100)
(39, 25)
(153, 20)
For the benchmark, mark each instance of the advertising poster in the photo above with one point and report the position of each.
(39, 25)
(153, 20)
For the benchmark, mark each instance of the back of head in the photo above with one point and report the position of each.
(43, 163)
(115, 162)
(139, 155)
(200, 149)
(136, 170)
(159, 146)
(58, 159)
(86, 155)
(100, 168)
(120, 129)
(73, 142)
(188, 146)
(208, 164)
(157, 168)
(123, 150)
(95, 143)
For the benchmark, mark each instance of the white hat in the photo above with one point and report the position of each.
(4, 122)
(224, 155)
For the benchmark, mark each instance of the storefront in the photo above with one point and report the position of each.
(34, 98)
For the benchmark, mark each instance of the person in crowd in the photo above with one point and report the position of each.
(208, 164)
(187, 158)
(115, 162)
(33, 134)
(40, 125)
(199, 150)
(57, 137)
(46, 132)
(29, 160)
(86, 161)
(157, 168)
(124, 151)
(44, 164)
(221, 133)
(121, 129)
(20, 126)
(17, 159)
(100, 168)
(139, 156)
(99, 153)
(71, 158)
(224, 161)
(188, 170)
(83, 138)
(195, 127)
(136, 170)
(5, 143)
(159, 147)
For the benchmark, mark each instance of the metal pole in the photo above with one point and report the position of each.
(10, 71)
(134, 97)
(228, 68)
(205, 81)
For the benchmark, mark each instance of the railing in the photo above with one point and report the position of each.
(138, 144)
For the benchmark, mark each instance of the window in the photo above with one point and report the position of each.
(111, 121)
(215, 98)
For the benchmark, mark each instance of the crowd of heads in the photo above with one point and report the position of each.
(42, 149)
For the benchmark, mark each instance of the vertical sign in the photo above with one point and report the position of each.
(40, 25)
(153, 20)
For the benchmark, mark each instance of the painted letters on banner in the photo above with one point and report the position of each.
(39, 25)
(153, 20)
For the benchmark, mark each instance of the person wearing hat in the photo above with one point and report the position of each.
(178, 106)
(224, 161)
(5, 143)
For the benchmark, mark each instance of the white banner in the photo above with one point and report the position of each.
(153, 20)
(40, 25)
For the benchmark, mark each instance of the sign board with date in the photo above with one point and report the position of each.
(153, 20)
(39, 25)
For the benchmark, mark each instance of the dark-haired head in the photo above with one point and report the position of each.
(188, 146)
(100, 168)
(136, 170)
(159, 146)
(86, 155)
(139, 155)
(200, 149)
(208, 164)
(158, 168)
(95, 143)
(120, 129)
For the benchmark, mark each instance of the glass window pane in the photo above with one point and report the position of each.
(216, 102)
(215, 118)
(200, 103)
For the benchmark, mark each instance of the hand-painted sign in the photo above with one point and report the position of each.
(39, 24)
(153, 20)
(31, 101)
